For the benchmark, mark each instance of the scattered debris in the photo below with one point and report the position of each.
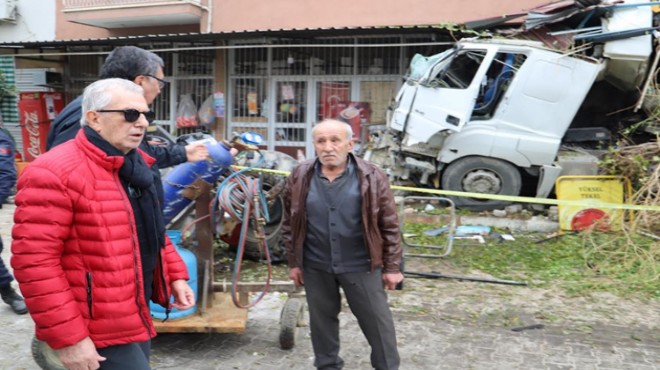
(555, 236)
(468, 230)
(437, 231)
(528, 327)
(499, 213)
(478, 238)
(507, 237)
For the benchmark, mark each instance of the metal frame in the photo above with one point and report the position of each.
(450, 232)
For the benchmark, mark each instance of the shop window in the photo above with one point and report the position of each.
(378, 60)
(291, 101)
(249, 61)
(249, 100)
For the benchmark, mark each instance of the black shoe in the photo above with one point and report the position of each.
(10, 297)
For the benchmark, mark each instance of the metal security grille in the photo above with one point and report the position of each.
(8, 104)
(192, 75)
(281, 87)
(82, 70)
(188, 72)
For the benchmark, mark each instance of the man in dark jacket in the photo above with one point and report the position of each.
(7, 182)
(145, 69)
(341, 229)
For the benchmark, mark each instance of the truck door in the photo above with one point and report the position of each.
(444, 97)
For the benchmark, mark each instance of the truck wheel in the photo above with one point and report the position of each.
(290, 320)
(481, 175)
(271, 183)
(44, 356)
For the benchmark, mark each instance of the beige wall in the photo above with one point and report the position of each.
(67, 30)
(242, 15)
(239, 15)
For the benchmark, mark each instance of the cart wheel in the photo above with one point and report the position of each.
(44, 356)
(292, 317)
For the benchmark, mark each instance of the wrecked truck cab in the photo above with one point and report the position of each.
(480, 114)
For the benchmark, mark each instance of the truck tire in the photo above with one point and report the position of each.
(274, 161)
(481, 175)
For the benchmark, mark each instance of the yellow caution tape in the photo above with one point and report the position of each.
(507, 198)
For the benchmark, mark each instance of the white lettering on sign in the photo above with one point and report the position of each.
(31, 122)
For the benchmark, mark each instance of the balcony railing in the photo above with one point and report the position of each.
(90, 4)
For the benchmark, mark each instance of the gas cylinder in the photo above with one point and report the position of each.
(186, 174)
(189, 258)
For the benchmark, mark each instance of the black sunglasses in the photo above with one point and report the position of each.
(132, 115)
(161, 82)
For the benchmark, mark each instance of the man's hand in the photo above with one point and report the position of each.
(196, 152)
(296, 274)
(184, 298)
(390, 280)
(80, 356)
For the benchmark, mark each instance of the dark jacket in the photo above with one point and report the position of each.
(379, 216)
(7, 166)
(67, 124)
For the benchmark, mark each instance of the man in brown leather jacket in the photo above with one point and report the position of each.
(341, 229)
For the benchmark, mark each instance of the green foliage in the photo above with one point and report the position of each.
(616, 262)
(578, 263)
(5, 88)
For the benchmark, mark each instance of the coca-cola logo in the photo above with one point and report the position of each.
(31, 122)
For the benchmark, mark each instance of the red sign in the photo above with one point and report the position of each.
(36, 111)
(334, 98)
(355, 114)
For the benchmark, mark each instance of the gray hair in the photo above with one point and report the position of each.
(347, 127)
(100, 93)
(128, 62)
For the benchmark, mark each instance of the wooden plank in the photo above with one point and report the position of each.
(223, 317)
(249, 287)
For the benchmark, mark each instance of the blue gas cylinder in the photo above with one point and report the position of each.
(185, 174)
(158, 311)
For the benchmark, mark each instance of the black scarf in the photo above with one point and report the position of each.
(138, 182)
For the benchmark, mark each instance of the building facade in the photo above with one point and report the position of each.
(273, 67)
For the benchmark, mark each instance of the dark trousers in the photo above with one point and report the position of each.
(5, 276)
(131, 356)
(367, 299)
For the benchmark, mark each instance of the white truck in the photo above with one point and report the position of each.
(492, 116)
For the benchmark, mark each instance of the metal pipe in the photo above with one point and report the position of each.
(434, 275)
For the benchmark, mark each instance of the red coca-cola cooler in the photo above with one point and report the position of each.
(37, 110)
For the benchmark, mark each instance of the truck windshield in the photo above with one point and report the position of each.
(420, 64)
(459, 72)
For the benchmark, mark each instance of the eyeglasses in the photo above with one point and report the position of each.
(131, 115)
(161, 82)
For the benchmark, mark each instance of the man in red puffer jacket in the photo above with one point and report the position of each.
(89, 245)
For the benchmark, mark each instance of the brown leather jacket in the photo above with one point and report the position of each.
(379, 216)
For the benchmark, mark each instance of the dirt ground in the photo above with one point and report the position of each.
(526, 307)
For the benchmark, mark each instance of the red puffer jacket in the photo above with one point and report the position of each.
(75, 252)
